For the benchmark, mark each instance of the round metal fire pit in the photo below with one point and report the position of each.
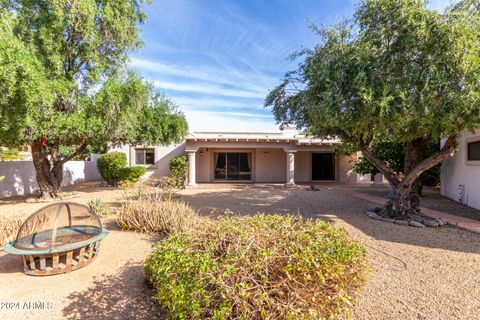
(58, 238)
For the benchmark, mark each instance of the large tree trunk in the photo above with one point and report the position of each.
(49, 183)
(49, 174)
(405, 201)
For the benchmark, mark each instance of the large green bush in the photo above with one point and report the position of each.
(258, 267)
(131, 174)
(109, 166)
(178, 171)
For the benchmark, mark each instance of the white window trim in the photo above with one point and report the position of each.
(471, 162)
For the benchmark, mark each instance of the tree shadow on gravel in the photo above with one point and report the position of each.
(10, 263)
(123, 296)
(330, 205)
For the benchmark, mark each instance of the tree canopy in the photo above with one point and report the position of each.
(396, 71)
(65, 84)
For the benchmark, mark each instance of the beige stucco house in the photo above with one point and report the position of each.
(460, 175)
(282, 156)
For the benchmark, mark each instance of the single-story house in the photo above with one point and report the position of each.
(256, 157)
(460, 175)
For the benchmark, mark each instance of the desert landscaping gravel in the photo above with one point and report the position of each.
(417, 273)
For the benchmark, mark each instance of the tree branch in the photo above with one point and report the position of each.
(74, 154)
(381, 165)
(446, 152)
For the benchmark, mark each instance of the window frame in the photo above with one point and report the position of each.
(144, 156)
(467, 142)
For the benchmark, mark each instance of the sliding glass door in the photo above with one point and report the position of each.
(233, 166)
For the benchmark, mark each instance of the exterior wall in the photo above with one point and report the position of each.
(163, 155)
(203, 161)
(19, 176)
(345, 169)
(302, 167)
(273, 167)
(460, 179)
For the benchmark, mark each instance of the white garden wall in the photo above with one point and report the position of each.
(19, 176)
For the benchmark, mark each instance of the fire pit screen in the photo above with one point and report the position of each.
(58, 238)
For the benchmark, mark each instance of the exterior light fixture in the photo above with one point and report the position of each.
(266, 154)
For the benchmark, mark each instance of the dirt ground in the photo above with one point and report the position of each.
(417, 273)
(111, 287)
(427, 273)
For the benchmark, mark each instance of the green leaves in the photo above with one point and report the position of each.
(398, 71)
(178, 171)
(63, 76)
(258, 267)
(25, 92)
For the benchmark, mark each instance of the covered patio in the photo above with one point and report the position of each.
(265, 157)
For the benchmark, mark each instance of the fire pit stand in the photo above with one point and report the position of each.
(58, 238)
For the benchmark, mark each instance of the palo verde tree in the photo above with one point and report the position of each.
(64, 83)
(396, 72)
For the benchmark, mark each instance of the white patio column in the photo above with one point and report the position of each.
(290, 168)
(191, 168)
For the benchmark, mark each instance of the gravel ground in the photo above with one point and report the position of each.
(432, 199)
(427, 273)
(111, 287)
(417, 273)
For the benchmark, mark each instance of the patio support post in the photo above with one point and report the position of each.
(191, 169)
(290, 168)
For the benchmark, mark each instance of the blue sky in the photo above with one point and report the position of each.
(218, 59)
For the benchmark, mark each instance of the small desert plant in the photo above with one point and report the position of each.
(109, 166)
(156, 213)
(258, 267)
(99, 207)
(178, 171)
(148, 192)
(170, 183)
(131, 174)
(8, 229)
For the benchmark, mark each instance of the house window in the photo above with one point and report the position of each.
(144, 156)
(473, 151)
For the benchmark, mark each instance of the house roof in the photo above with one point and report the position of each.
(285, 136)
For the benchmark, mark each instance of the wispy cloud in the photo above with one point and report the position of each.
(218, 103)
(218, 59)
(209, 89)
(225, 75)
(211, 121)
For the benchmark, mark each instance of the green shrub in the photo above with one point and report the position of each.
(99, 207)
(109, 166)
(258, 267)
(178, 171)
(131, 174)
(156, 213)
